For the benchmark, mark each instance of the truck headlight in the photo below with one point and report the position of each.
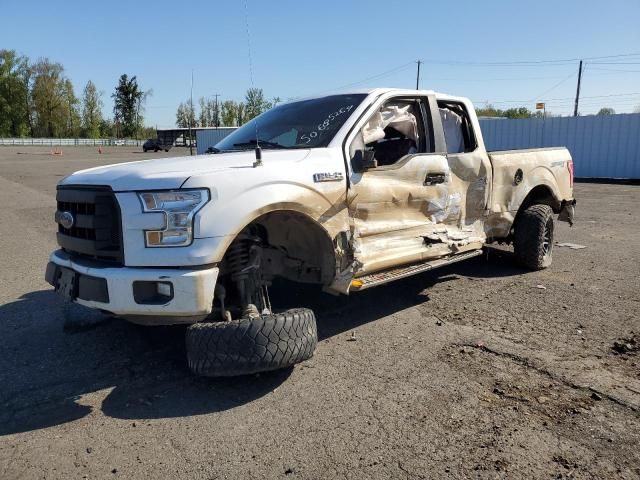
(179, 208)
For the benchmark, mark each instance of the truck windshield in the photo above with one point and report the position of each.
(303, 124)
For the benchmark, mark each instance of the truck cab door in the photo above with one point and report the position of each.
(400, 199)
(469, 165)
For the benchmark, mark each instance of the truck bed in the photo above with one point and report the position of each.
(517, 172)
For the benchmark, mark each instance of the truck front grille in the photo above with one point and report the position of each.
(96, 232)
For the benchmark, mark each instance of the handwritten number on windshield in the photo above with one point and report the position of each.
(326, 123)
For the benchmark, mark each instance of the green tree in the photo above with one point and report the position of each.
(186, 115)
(229, 113)
(107, 128)
(275, 101)
(14, 95)
(606, 111)
(148, 132)
(128, 105)
(52, 99)
(489, 111)
(73, 119)
(241, 114)
(91, 111)
(519, 112)
(209, 113)
(255, 104)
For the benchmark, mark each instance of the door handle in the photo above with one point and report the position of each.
(434, 178)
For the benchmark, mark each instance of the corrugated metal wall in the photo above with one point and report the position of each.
(605, 146)
(208, 138)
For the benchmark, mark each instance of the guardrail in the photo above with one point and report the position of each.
(59, 142)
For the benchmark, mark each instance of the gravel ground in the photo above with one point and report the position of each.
(477, 370)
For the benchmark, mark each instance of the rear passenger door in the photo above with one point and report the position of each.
(469, 167)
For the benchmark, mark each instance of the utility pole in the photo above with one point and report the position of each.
(575, 108)
(191, 115)
(418, 75)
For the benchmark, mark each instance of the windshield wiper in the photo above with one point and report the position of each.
(262, 143)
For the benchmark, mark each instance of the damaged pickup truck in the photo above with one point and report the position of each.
(347, 191)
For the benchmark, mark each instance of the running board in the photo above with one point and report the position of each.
(386, 276)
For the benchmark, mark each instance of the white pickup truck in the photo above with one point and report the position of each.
(346, 191)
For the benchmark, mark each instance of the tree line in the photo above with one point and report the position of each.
(223, 114)
(37, 99)
(524, 112)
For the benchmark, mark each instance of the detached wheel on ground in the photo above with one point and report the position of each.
(245, 346)
(533, 242)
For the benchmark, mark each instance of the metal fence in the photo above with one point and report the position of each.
(58, 142)
(208, 137)
(602, 146)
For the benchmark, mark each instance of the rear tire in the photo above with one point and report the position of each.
(245, 346)
(533, 242)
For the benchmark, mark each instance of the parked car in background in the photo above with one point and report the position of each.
(155, 145)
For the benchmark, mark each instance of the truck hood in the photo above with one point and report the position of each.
(171, 173)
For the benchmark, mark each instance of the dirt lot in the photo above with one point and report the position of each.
(478, 370)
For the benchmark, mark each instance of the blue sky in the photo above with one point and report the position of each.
(303, 48)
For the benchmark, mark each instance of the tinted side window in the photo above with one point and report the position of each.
(456, 123)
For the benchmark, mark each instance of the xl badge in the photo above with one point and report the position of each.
(65, 219)
(327, 177)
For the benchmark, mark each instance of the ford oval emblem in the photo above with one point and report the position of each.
(65, 219)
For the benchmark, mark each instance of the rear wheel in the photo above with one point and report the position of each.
(251, 345)
(533, 242)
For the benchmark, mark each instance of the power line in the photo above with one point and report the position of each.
(612, 69)
(365, 80)
(613, 56)
(571, 75)
(527, 62)
(614, 63)
(476, 79)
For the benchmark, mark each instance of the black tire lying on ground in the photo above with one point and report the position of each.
(533, 242)
(245, 346)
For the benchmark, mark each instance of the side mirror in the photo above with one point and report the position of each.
(363, 160)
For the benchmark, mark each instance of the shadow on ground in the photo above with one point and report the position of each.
(47, 366)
